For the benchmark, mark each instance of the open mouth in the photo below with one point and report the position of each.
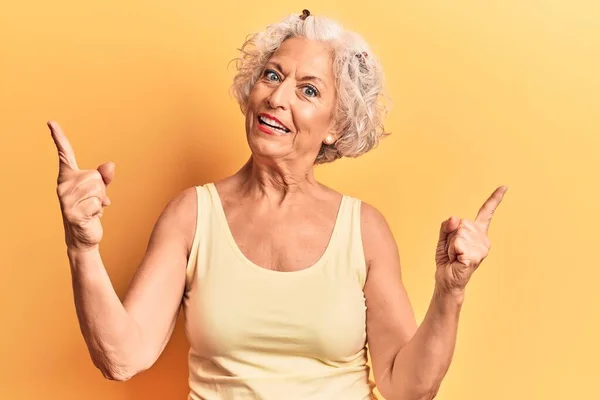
(273, 124)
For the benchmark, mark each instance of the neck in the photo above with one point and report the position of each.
(276, 180)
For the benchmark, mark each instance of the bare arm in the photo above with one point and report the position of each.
(425, 359)
(408, 362)
(127, 338)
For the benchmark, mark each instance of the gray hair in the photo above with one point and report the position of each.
(359, 77)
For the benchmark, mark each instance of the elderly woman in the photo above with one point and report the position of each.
(283, 281)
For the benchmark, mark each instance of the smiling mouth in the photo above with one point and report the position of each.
(274, 125)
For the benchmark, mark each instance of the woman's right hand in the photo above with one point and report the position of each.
(82, 194)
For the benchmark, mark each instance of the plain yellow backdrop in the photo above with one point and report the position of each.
(485, 93)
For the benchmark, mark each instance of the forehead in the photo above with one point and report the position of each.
(306, 57)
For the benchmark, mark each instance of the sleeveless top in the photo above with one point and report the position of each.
(256, 333)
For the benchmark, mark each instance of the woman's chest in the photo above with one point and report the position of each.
(319, 319)
(282, 243)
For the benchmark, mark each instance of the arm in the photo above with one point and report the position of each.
(426, 358)
(126, 338)
(408, 362)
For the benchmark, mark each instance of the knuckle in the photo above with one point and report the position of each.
(91, 175)
(89, 207)
(95, 202)
(465, 223)
(73, 216)
(63, 188)
(97, 175)
(95, 187)
(69, 215)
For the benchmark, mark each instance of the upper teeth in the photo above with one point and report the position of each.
(272, 122)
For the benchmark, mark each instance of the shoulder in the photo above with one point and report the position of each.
(185, 197)
(182, 204)
(372, 220)
(371, 217)
(377, 236)
(180, 214)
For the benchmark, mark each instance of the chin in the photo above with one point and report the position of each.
(266, 147)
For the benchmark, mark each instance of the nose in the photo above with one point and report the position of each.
(281, 96)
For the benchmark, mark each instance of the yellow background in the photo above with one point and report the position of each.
(485, 93)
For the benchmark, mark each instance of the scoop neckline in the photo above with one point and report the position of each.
(218, 205)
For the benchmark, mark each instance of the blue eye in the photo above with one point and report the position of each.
(310, 91)
(271, 75)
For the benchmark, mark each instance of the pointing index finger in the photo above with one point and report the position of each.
(486, 212)
(66, 154)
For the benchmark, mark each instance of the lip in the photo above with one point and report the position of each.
(274, 119)
(267, 130)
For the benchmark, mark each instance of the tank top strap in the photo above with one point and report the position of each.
(347, 254)
(204, 217)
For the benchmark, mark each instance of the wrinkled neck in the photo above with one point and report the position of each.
(276, 180)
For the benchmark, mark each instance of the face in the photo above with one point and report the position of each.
(291, 106)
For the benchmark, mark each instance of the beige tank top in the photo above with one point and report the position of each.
(256, 333)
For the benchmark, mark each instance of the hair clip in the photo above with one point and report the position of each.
(305, 14)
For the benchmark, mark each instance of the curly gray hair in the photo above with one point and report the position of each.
(360, 107)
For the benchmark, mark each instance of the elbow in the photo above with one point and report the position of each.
(430, 392)
(117, 371)
(421, 393)
(428, 395)
(117, 375)
(424, 396)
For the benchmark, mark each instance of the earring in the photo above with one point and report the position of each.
(329, 140)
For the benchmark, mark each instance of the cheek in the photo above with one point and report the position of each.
(311, 118)
(256, 96)
(249, 119)
(253, 104)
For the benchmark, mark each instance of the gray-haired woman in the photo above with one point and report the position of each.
(283, 281)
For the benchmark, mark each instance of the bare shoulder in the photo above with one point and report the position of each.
(183, 203)
(371, 217)
(185, 200)
(180, 214)
(378, 239)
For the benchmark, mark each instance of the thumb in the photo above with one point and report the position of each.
(448, 226)
(107, 170)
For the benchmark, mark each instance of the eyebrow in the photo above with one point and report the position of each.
(304, 78)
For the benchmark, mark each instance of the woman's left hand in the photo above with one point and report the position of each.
(463, 245)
